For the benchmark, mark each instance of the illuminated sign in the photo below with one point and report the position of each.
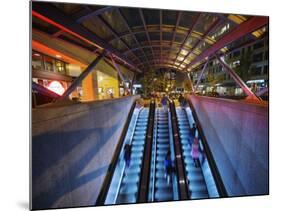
(56, 87)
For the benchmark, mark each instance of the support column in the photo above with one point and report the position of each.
(201, 74)
(238, 80)
(82, 76)
(190, 82)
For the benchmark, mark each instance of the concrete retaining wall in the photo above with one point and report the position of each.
(72, 146)
(237, 134)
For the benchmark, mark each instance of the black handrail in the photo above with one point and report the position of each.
(180, 170)
(146, 160)
(213, 167)
(106, 183)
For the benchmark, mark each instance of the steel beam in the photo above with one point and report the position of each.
(196, 18)
(83, 75)
(94, 13)
(190, 82)
(44, 91)
(243, 29)
(54, 16)
(201, 74)
(213, 27)
(238, 80)
(117, 69)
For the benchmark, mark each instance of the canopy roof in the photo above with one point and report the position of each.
(140, 38)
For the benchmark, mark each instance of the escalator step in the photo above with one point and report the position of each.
(126, 198)
(130, 179)
(199, 195)
(129, 189)
(197, 187)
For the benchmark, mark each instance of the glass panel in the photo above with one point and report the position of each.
(169, 17)
(118, 44)
(115, 21)
(222, 30)
(151, 16)
(132, 16)
(130, 41)
(167, 36)
(97, 28)
(187, 19)
(141, 37)
(190, 41)
(154, 35)
(204, 22)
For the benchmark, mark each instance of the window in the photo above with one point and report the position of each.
(266, 55)
(60, 66)
(256, 70)
(258, 45)
(49, 63)
(37, 63)
(236, 54)
(265, 69)
(258, 57)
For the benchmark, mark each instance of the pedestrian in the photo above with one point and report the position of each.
(195, 152)
(193, 130)
(164, 102)
(127, 154)
(168, 167)
(181, 100)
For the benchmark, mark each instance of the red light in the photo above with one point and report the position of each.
(56, 87)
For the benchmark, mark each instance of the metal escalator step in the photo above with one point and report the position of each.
(199, 195)
(162, 183)
(136, 155)
(138, 143)
(126, 198)
(160, 158)
(161, 195)
(162, 146)
(163, 140)
(197, 187)
(130, 179)
(137, 148)
(129, 189)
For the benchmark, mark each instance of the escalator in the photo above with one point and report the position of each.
(196, 181)
(131, 177)
(124, 181)
(161, 190)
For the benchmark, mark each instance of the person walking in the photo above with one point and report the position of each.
(164, 102)
(168, 167)
(181, 100)
(127, 154)
(193, 130)
(195, 152)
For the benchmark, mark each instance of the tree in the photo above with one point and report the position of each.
(151, 81)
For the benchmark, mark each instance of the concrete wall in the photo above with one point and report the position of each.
(72, 146)
(237, 133)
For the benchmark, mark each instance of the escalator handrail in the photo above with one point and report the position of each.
(107, 180)
(154, 158)
(143, 188)
(213, 167)
(181, 173)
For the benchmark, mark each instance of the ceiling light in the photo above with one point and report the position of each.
(58, 56)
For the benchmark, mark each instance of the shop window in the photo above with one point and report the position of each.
(60, 66)
(258, 57)
(49, 63)
(37, 63)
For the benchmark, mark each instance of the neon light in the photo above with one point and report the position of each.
(56, 87)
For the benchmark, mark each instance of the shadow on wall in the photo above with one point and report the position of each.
(49, 149)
